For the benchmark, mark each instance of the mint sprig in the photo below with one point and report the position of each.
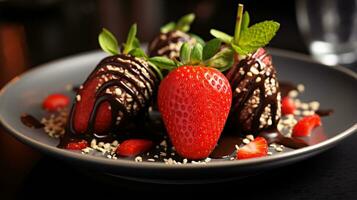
(248, 39)
(183, 24)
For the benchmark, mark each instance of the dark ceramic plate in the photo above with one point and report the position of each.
(333, 87)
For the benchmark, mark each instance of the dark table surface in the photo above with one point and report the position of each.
(40, 33)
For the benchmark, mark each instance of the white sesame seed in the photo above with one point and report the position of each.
(249, 74)
(163, 154)
(250, 137)
(184, 161)
(314, 105)
(238, 90)
(307, 112)
(293, 93)
(151, 160)
(246, 141)
(93, 143)
(163, 143)
(231, 158)
(173, 153)
(254, 70)
(270, 153)
(138, 159)
(156, 156)
(300, 88)
(115, 143)
(157, 146)
(258, 79)
(273, 145)
(236, 146)
(279, 149)
(304, 106)
(78, 97)
(106, 146)
(208, 159)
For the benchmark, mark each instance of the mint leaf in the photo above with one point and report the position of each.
(223, 59)
(162, 62)
(239, 50)
(136, 43)
(128, 46)
(257, 36)
(168, 27)
(185, 53)
(184, 22)
(211, 48)
(245, 21)
(138, 52)
(224, 37)
(196, 54)
(108, 42)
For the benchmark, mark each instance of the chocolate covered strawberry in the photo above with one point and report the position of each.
(120, 88)
(194, 100)
(171, 37)
(256, 96)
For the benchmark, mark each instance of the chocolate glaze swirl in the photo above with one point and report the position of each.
(256, 94)
(127, 84)
(169, 44)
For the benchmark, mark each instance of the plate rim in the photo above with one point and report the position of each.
(48, 149)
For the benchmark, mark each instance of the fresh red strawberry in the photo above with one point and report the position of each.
(257, 148)
(54, 102)
(77, 145)
(194, 102)
(305, 125)
(287, 106)
(134, 147)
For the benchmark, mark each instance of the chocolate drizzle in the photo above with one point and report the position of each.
(127, 84)
(169, 44)
(30, 121)
(256, 95)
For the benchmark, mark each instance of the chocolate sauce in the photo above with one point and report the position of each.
(274, 136)
(30, 121)
(286, 87)
(116, 71)
(226, 146)
(324, 112)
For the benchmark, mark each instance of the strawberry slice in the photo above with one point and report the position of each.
(305, 125)
(77, 145)
(256, 148)
(54, 102)
(134, 147)
(287, 106)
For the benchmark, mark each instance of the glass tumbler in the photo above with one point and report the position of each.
(329, 28)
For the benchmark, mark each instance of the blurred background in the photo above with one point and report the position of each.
(37, 31)
(33, 32)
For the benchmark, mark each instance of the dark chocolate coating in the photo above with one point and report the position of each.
(127, 84)
(169, 44)
(256, 96)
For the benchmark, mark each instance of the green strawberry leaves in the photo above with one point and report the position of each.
(108, 42)
(248, 39)
(211, 48)
(183, 24)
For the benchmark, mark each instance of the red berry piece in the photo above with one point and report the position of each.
(257, 148)
(306, 125)
(287, 106)
(134, 147)
(77, 145)
(54, 102)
